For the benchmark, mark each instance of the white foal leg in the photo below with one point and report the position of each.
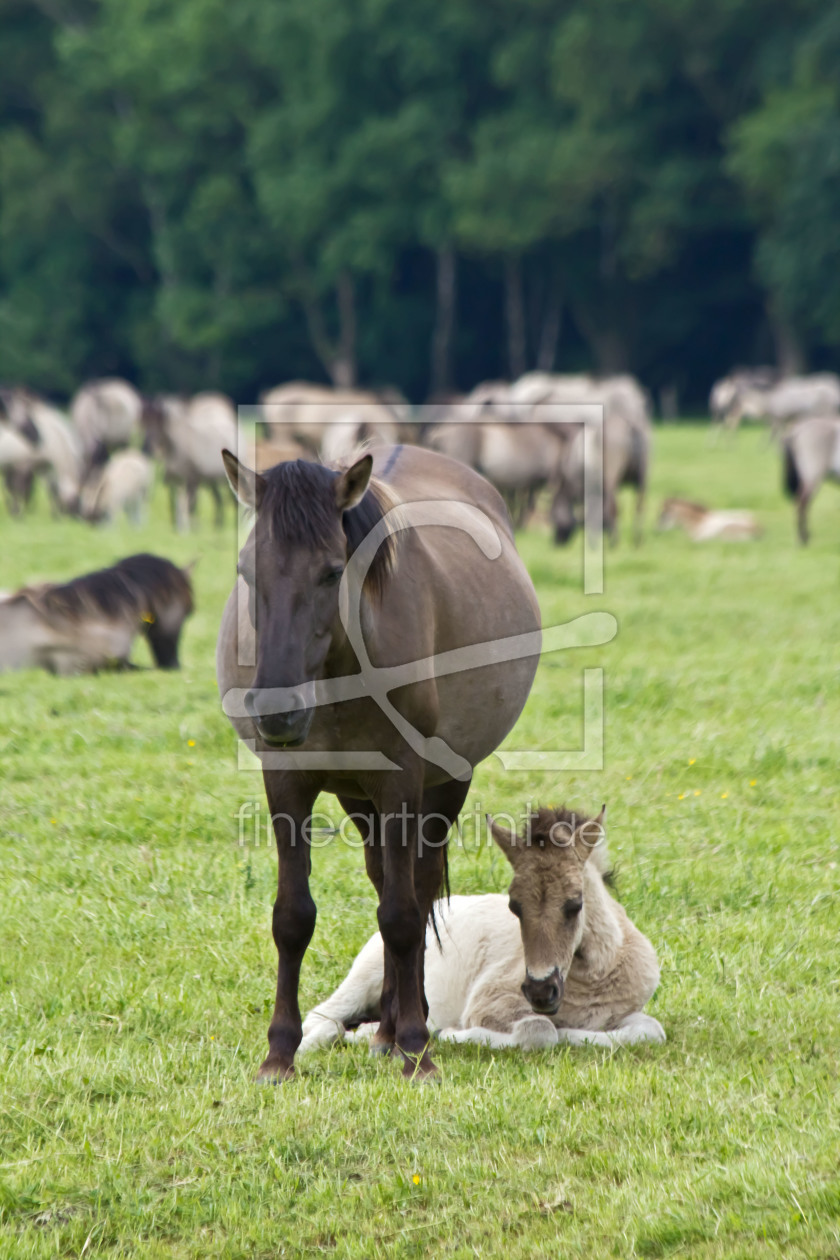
(534, 1032)
(633, 1030)
(637, 1028)
(478, 1037)
(356, 998)
(363, 1033)
(584, 1037)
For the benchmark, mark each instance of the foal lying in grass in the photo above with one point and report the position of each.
(573, 970)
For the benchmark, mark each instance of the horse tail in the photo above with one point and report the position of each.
(792, 482)
(444, 891)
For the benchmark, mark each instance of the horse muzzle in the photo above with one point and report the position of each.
(286, 729)
(546, 994)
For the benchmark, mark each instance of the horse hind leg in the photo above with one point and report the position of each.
(803, 502)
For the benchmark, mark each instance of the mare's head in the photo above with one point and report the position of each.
(547, 895)
(309, 520)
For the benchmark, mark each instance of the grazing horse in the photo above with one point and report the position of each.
(703, 524)
(811, 453)
(90, 623)
(573, 970)
(623, 458)
(518, 459)
(57, 456)
(122, 484)
(107, 414)
(381, 640)
(782, 400)
(188, 437)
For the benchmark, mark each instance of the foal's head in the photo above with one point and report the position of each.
(309, 519)
(547, 895)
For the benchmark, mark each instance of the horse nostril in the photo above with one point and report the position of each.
(251, 704)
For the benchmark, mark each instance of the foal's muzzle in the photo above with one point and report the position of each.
(544, 995)
(284, 729)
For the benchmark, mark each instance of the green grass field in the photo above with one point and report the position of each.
(137, 966)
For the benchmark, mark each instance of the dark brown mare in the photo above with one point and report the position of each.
(387, 610)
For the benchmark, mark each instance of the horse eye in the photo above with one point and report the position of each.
(331, 577)
(573, 907)
(515, 908)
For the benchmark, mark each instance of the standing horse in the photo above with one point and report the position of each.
(811, 453)
(622, 459)
(360, 583)
(188, 437)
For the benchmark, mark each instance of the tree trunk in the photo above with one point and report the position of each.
(337, 358)
(608, 345)
(550, 329)
(515, 310)
(790, 353)
(343, 370)
(447, 296)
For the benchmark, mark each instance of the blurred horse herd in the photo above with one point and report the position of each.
(100, 457)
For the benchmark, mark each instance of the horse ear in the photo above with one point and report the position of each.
(247, 485)
(352, 484)
(590, 834)
(505, 839)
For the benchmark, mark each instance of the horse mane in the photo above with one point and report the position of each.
(299, 505)
(133, 587)
(538, 832)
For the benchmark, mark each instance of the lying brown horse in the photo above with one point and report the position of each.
(90, 623)
(360, 586)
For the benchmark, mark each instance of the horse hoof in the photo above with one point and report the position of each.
(381, 1047)
(419, 1067)
(273, 1073)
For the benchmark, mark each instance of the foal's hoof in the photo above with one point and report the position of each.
(275, 1072)
(381, 1045)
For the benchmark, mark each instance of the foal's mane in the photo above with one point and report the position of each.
(133, 587)
(538, 833)
(299, 505)
(686, 503)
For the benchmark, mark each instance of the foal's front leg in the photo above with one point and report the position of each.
(293, 920)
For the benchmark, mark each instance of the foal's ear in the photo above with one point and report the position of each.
(590, 834)
(352, 484)
(247, 485)
(505, 839)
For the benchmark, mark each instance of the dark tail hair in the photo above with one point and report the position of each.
(791, 480)
(443, 891)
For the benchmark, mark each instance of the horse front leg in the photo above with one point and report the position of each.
(218, 504)
(403, 929)
(367, 821)
(803, 501)
(293, 919)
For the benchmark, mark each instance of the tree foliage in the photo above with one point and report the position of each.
(206, 194)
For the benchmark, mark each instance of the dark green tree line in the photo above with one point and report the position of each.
(215, 195)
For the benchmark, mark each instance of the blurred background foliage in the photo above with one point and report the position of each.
(207, 194)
